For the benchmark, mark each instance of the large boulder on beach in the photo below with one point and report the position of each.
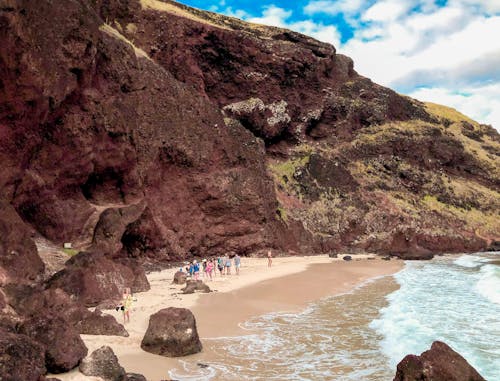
(195, 285)
(180, 277)
(97, 323)
(64, 349)
(440, 363)
(92, 278)
(103, 363)
(21, 358)
(31, 302)
(172, 333)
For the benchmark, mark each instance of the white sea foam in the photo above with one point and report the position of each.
(469, 261)
(489, 283)
(438, 300)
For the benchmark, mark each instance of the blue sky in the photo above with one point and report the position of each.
(444, 51)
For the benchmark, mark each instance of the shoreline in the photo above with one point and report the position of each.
(294, 281)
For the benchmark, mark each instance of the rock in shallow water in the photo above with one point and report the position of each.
(440, 363)
(172, 333)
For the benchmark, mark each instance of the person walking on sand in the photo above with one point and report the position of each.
(209, 269)
(126, 304)
(237, 263)
(228, 265)
(220, 265)
(204, 268)
(196, 270)
(269, 258)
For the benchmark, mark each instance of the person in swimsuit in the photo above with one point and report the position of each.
(220, 265)
(209, 269)
(237, 263)
(196, 268)
(228, 264)
(269, 258)
(126, 304)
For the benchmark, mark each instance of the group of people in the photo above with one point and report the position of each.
(208, 268)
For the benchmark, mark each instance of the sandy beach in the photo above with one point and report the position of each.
(289, 285)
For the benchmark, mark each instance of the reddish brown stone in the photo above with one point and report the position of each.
(172, 333)
(440, 363)
(92, 278)
(21, 358)
(63, 346)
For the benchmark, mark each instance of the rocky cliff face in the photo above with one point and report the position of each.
(143, 131)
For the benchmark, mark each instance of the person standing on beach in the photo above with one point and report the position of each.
(269, 258)
(220, 265)
(237, 263)
(228, 264)
(126, 304)
(209, 268)
(196, 270)
(204, 269)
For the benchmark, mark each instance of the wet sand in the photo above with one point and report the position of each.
(289, 285)
(219, 314)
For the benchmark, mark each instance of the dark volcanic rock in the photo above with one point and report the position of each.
(19, 261)
(92, 278)
(347, 258)
(21, 358)
(494, 246)
(103, 363)
(172, 333)
(100, 324)
(32, 302)
(64, 347)
(134, 377)
(440, 363)
(179, 277)
(195, 285)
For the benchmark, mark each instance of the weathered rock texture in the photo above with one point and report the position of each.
(20, 358)
(103, 363)
(195, 285)
(64, 349)
(440, 363)
(172, 333)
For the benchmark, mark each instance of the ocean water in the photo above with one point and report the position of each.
(455, 300)
(363, 334)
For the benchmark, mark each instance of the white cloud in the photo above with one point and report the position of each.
(273, 16)
(386, 10)
(481, 103)
(332, 7)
